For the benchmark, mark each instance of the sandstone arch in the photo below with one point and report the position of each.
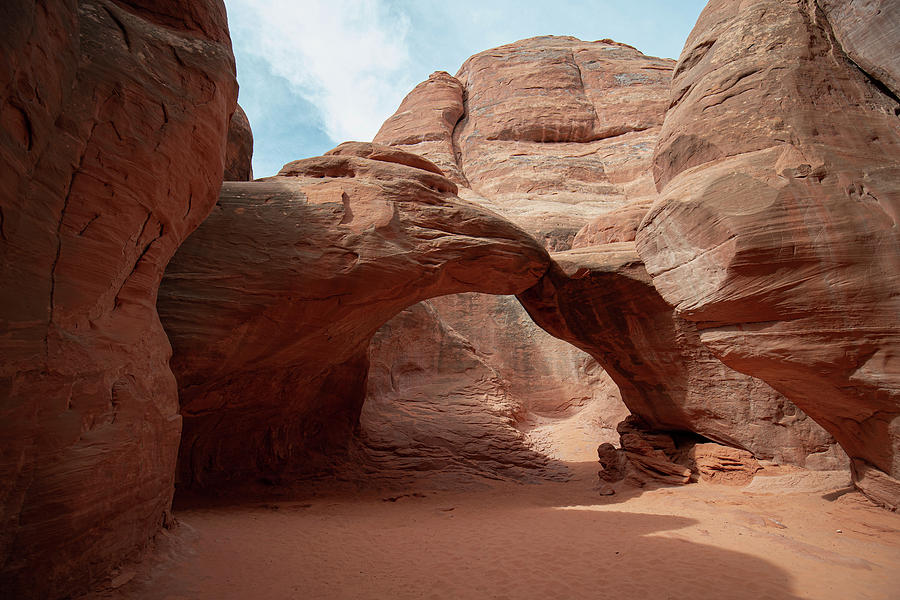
(271, 305)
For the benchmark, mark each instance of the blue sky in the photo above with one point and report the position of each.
(314, 73)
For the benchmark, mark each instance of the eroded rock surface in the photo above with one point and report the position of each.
(481, 399)
(271, 304)
(648, 456)
(869, 32)
(112, 128)
(601, 299)
(776, 231)
(425, 121)
(550, 131)
(556, 135)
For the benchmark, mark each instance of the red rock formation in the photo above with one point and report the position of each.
(481, 399)
(601, 300)
(551, 378)
(721, 464)
(271, 304)
(595, 176)
(435, 406)
(425, 122)
(618, 226)
(484, 132)
(385, 154)
(112, 127)
(776, 231)
(869, 32)
(577, 149)
(239, 149)
(650, 456)
(548, 161)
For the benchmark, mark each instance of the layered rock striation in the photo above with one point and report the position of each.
(436, 407)
(503, 129)
(549, 131)
(557, 135)
(113, 119)
(869, 33)
(601, 299)
(776, 228)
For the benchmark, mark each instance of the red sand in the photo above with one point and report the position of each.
(506, 540)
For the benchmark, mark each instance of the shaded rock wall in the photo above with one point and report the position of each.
(112, 127)
(501, 130)
(869, 32)
(464, 401)
(435, 406)
(776, 228)
(549, 376)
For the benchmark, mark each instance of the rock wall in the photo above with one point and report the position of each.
(869, 32)
(481, 399)
(776, 229)
(112, 127)
(239, 148)
(436, 407)
(502, 130)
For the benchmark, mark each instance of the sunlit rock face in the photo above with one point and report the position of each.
(548, 131)
(271, 304)
(112, 129)
(776, 228)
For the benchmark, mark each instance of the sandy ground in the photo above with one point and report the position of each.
(521, 541)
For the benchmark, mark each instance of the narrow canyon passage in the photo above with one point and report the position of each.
(508, 540)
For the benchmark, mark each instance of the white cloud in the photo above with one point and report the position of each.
(348, 57)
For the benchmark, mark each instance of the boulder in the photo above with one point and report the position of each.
(720, 464)
(647, 456)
